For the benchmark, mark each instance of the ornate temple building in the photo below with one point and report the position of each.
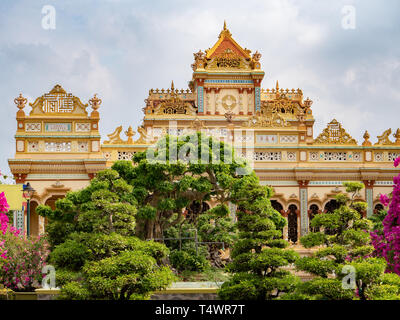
(58, 144)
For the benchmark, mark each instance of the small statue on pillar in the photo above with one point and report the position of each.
(397, 137)
(366, 137)
(95, 104)
(20, 101)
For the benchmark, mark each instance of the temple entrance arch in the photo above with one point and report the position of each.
(378, 207)
(277, 205)
(292, 223)
(51, 202)
(314, 210)
(331, 206)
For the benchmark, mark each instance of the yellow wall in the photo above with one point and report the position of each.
(13, 195)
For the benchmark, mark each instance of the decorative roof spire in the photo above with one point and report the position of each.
(172, 86)
(20, 101)
(224, 24)
(277, 85)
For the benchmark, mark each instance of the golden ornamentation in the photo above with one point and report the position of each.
(114, 137)
(130, 133)
(229, 102)
(256, 56)
(58, 101)
(95, 102)
(229, 116)
(228, 60)
(384, 138)
(334, 134)
(366, 142)
(197, 124)
(144, 137)
(199, 60)
(272, 121)
(20, 101)
(226, 54)
(397, 136)
(174, 105)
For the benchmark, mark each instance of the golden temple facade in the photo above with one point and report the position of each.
(58, 144)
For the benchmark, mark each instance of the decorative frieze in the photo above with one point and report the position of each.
(378, 156)
(267, 138)
(175, 132)
(83, 146)
(107, 155)
(58, 146)
(356, 156)
(82, 127)
(314, 156)
(57, 127)
(33, 146)
(267, 156)
(125, 155)
(335, 156)
(393, 156)
(288, 139)
(33, 127)
(291, 156)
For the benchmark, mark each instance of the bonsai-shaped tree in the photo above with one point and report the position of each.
(259, 254)
(343, 265)
(95, 252)
(177, 173)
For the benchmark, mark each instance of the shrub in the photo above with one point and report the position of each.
(188, 260)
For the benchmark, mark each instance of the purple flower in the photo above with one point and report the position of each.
(397, 162)
(384, 199)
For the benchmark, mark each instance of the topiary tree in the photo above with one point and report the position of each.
(177, 172)
(98, 256)
(343, 265)
(259, 254)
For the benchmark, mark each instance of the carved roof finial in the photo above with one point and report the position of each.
(20, 101)
(95, 102)
(224, 24)
(277, 85)
(172, 86)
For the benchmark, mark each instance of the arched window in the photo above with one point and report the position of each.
(314, 210)
(331, 206)
(276, 205)
(292, 223)
(378, 207)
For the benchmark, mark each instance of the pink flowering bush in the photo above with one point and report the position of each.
(387, 242)
(21, 259)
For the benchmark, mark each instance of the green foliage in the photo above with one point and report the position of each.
(313, 239)
(188, 260)
(70, 254)
(345, 240)
(182, 171)
(324, 289)
(258, 254)
(95, 250)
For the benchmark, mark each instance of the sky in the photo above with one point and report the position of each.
(347, 62)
